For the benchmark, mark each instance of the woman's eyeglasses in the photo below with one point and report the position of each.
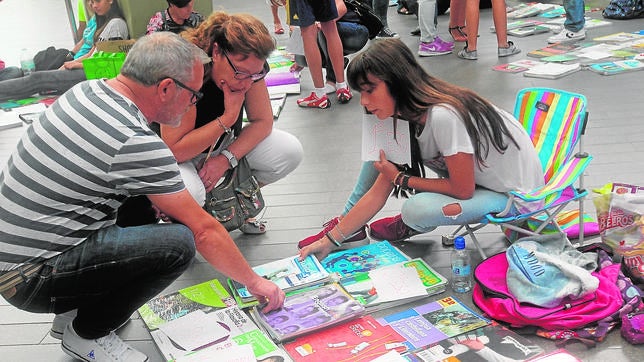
(243, 75)
(196, 95)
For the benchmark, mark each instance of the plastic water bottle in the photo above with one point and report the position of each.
(27, 62)
(461, 267)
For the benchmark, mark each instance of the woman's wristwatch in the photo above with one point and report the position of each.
(232, 160)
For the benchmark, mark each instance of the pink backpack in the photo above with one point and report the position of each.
(491, 294)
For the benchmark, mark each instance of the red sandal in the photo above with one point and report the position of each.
(279, 29)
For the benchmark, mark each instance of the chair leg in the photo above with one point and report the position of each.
(470, 231)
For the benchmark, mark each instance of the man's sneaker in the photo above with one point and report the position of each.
(344, 95)
(436, 47)
(62, 320)
(392, 229)
(108, 348)
(313, 101)
(387, 33)
(359, 238)
(567, 35)
(510, 50)
(467, 54)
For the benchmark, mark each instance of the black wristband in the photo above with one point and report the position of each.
(405, 182)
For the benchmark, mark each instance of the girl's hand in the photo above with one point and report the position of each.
(386, 168)
(320, 249)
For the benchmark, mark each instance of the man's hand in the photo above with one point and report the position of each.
(267, 293)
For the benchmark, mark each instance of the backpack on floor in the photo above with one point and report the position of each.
(624, 9)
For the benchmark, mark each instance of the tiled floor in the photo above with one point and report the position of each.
(316, 191)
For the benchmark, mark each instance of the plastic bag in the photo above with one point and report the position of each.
(620, 213)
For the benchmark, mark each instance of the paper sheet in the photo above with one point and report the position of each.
(379, 134)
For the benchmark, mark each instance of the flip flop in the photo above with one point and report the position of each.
(404, 11)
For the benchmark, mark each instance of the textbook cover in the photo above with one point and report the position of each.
(617, 67)
(491, 343)
(206, 296)
(394, 285)
(434, 322)
(288, 273)
(362, 259)
(310, 310)
(361, 339)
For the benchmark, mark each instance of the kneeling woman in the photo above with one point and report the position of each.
(478, 151)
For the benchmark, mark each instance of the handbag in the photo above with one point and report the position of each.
(235, 199)
(367, 17)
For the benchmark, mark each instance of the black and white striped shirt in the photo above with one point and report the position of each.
(72, 170)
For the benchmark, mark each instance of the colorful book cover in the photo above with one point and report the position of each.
(434, 322)
(619, 37)
(529, 30)
(307, 311)
(211, 336)
(516, 66)
(491, 343)
(361, 339)
(617, 67)
(205, 296)
(362, 259)
(394, 285)
(288, 273)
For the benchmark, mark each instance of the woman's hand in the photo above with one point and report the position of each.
(233, 98)
(72, 64)
(386, 168)
(267, 293)
(320, 249)
(212, 170)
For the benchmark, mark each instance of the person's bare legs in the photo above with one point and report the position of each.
(457, 19)
(334, 46)
(472, 14)
(279, 29)
(500, 19)
(312, 54)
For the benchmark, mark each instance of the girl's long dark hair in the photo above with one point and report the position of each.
(415, 91)
(102, 20)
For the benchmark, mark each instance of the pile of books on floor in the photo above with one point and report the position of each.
(606, 55)
(336, 309)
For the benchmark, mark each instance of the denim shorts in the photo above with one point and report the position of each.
(310, 11)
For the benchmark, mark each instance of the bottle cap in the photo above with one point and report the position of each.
(459, 243)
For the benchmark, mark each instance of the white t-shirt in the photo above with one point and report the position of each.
(444, 134)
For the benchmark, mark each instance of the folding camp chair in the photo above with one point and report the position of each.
(555, 120)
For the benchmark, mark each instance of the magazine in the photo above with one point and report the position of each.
(528, 30)
(491, 343)
(214, 336)
(517, 66)
(362, 259)
(205, 296)
(558, 355)
(309, 310)
(394, 285)
(434, 321)
(288, 273)
(361, 339)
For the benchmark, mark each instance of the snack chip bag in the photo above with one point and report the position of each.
(620, 213)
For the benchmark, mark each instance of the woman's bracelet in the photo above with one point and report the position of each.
(223, 126)
(328, 235)
(398, 177)
(344, 237)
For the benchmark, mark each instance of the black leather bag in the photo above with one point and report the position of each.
(367, 17)
(235, 199)
(51, 58)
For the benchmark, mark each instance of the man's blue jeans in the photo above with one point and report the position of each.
(109, 276)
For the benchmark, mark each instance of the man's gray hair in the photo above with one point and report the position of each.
(162, 55)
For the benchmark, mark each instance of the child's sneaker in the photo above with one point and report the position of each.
(108, 348)
(510, 50)
(567, 35)
(312, 101)
(344, 95)
(436, 47)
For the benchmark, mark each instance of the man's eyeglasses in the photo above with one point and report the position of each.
(243, 75)
(196, 95)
